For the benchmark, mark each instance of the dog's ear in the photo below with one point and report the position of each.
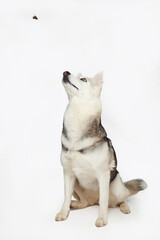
(98, 78)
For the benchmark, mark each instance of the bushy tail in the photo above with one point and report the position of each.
(135, 185)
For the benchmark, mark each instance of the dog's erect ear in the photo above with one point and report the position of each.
(98, 78)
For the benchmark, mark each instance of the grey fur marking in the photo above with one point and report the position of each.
(64, 131)
(113, 157)
(136, 185)
(95, 129)
(86, 149)
(93, 146)
(113, 174)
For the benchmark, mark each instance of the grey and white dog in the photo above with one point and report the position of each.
(88, 157)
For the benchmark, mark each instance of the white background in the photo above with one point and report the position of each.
(122, 38)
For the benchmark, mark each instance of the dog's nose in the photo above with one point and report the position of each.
(66, 73)
(65, 76)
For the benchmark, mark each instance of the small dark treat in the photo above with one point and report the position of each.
(35, 17)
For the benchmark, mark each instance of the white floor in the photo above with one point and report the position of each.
(120, 37)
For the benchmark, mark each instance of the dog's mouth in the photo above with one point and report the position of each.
(66, 79)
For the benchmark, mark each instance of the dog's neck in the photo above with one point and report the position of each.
(80, 114)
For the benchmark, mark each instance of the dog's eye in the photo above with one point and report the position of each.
(83, 79)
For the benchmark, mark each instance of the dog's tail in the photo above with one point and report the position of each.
(135, 185)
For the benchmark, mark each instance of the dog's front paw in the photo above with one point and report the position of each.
(61, 216)
(100, 222)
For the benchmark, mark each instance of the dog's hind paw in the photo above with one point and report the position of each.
(124, 208)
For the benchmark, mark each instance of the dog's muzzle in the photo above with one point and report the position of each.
(65, 76)
(66, 79)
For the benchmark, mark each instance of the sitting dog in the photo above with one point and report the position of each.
(88, 157)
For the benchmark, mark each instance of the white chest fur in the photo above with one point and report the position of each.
(87, 167)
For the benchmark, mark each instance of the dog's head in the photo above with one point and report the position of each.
(81, 86)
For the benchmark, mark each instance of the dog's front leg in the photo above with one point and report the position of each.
(69, 181)
(103, 181)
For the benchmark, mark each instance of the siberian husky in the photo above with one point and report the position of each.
(88, 157)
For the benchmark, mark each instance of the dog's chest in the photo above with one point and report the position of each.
(86, 167)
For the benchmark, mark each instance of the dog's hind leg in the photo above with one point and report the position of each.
(80, 196)
(118, 195)
(79, 204)
(119, 192)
